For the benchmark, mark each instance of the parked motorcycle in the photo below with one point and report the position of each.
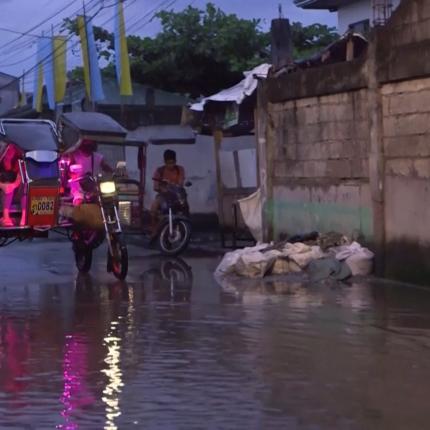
(173, 232)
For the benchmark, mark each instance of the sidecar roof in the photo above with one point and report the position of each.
(30, 134)
(74, 126)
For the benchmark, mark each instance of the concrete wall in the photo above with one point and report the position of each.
(320, 163)
(347, 146)
(403, 53)
(199, 163)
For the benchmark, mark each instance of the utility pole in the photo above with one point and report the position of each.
(91, 101)
(282, 44)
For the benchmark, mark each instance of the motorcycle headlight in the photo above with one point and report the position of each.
(107, 187)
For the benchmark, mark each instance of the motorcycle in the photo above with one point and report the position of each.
(97, 218)
(173, 232)
(100, 196)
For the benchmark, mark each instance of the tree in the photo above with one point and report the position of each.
(308, 40)
(200, 52)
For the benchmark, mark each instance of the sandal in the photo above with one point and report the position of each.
(6, 223)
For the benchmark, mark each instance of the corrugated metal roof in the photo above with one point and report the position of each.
(142, 94)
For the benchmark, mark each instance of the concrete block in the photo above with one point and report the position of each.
(423, 12)
(411, 146)
(308, 115)
(422, 168)
(309, 134)
(310, 101)
(412, 85)
(361, 130)
(339, 98)
(334, 149)
(291, 151)
(289, 169)
(338, 169)
(407, 103)
(399, 167)
(337, 112)
(405, 125)
(314, 169)
(340, 130)
(359, 168)
(360, 108)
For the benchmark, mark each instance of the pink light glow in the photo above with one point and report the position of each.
(76, 394)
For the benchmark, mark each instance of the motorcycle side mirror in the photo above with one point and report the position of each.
(188, 184)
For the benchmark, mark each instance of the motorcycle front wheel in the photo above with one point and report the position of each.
(118, 259)
(175, 243)
(83, 258)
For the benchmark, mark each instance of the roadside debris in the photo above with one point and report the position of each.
(330, 255)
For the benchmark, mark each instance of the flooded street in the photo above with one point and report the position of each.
(171, 350)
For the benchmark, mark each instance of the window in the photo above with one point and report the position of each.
(361, 27)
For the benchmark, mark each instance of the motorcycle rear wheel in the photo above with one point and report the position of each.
(174, 244)
(118, 260)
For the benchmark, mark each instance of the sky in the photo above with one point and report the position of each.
(35, 16)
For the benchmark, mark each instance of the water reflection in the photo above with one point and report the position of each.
(112, 391)
(172, 351)
(76, 393)
(169, 279)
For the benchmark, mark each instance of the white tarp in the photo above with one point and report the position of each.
(251, 208)
(238, 92)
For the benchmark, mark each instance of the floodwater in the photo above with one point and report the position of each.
(172, 350)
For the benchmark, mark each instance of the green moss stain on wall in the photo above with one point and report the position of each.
(297, 217)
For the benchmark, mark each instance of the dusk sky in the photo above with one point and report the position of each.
(24, 15)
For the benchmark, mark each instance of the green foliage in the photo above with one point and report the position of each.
(200, 52)
(308, 40)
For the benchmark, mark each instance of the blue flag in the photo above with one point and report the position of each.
(97, 92)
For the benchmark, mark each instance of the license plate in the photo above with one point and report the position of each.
(42, 205)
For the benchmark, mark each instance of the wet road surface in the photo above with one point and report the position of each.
(170, 349)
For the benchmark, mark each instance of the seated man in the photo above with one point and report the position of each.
(170, 173)
(90, 162)
(10, 181)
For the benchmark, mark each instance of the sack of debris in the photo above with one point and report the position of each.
(358, 259)
(256, 264)
(228, 263)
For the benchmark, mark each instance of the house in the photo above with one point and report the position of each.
(355, 15)
(9, 92)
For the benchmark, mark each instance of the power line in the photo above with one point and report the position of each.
(22, 60)
(154, 11)
(37, 26)
(47, 57)
(69, 38)
(24, 46)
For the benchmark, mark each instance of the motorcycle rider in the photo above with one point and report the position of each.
(90, 162)
(169, 173)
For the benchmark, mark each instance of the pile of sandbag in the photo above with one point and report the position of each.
(321, 261)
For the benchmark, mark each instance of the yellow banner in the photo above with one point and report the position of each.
(125, 88)
(84, 48)
(60, 67)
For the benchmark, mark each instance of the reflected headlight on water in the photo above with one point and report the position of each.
(107, 188)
